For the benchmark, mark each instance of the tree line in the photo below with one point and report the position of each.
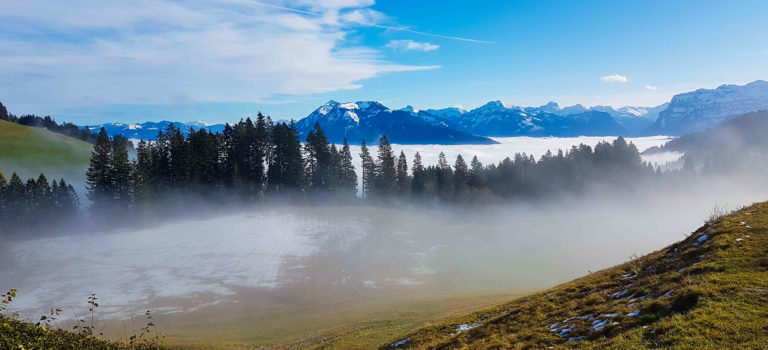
(47, 122)
(249, 160)
(35, 202)
(257, 159)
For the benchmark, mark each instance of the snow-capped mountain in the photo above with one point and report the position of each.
(148, 130)
(496, 118)
(369, 120)
(705, 108)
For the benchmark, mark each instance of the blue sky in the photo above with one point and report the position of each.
(220, 60)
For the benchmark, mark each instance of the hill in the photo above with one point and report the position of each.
(30, 151)
(15, 334)
(738, 143)
(709, 290)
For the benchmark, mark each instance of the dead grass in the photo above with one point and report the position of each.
(717, 296)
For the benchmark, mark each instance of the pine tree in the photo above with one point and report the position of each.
(419, 180)
(143, 174)
(347, 175)
(460, 179)
(99, 175)
(121, 174)
(368, 169)
(3, 203)
(318, 159)
(333, 181)
(386, 181)
(403, 180)
(476, 174)
(445, 188)
(294, 172)
(14, 200)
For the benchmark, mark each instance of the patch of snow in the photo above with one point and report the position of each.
(465, 327)
(348, 105)
(575, 338)
(634, 313)
(400, 343)
(742, 223)
(620, 294)
(353, 116)
(598, 325)
(702, 238)
(668, 293)
(739, 239)
(608, 315)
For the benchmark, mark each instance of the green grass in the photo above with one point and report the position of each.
(719, 300)
(30, 151)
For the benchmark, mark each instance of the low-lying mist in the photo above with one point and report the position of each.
(302, 256)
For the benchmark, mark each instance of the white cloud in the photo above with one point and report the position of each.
(157, 52)
(615, 78)
(409, 45)
(651, 87)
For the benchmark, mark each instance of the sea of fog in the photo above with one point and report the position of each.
(304, 256)
(508, 146)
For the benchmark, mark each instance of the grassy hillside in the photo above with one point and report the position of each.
(30, 151)
(16, 334)
(709, 291)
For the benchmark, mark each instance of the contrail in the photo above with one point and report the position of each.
(427, 34)
(401, 29)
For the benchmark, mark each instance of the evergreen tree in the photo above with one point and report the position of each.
(445, 188)
(460, 179)
(3, 113)
(14, 198)
(476, 174)
(318, 160)
(403, 180)
(3, 203)
(347, 177)
(143, 174)
(121, 174)
(99, 176)
(286, 169)
(419, 181)
(334, 168)
(386, 180)
(368, 169)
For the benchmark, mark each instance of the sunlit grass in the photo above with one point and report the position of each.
(718, 298)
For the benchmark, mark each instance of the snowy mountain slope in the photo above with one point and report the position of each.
(705, 108)
(369, 120)
(149, 130)
(496, 118)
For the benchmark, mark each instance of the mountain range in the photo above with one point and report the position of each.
(688, 112)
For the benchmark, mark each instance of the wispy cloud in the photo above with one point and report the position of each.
(615, 78)
(651, 87)
(410, 45)
(158, 52)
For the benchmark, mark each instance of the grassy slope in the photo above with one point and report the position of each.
(31, 151)
(718, 300)
(15, 334)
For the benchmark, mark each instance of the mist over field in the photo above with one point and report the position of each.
(280, 259)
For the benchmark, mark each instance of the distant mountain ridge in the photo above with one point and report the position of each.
(355, 121)
(149, 130)
(368, 120)
(704, 108)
